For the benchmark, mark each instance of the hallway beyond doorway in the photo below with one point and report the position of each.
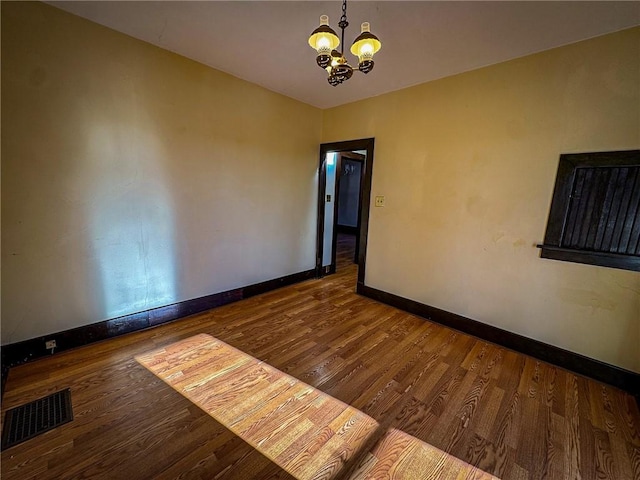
(345, 250)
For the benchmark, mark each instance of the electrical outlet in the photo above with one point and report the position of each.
(50, 344)
(379, 200)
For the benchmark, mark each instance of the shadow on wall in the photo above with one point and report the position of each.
(131, 219)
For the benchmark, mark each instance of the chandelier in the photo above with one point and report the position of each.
(325, 41)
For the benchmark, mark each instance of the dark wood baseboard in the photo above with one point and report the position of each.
(20, 352)
(5, 375)
(589, 367)
(347, 229)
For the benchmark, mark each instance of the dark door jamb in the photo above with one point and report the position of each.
(366, 144)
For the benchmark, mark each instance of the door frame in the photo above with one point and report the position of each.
(366, 144)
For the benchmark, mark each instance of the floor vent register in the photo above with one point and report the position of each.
(31, 419)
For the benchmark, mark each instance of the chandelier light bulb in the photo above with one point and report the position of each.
(366, 50)
(323, 44)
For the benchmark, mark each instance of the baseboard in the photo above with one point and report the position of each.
(589, 367)
(347, 229)
(5, 375)
(20, 352)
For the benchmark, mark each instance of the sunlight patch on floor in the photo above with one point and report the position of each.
(304, 431)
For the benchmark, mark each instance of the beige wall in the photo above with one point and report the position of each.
(133, 177)
(467, 165)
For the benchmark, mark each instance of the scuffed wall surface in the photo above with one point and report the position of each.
(467, 165)
(134, 178)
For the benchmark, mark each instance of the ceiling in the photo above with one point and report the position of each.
(265, 42)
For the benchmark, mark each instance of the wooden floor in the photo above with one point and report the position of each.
(308, 433)
(345, 251)
(401, 456)
(510, 415)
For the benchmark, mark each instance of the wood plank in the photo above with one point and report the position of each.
(400, 456)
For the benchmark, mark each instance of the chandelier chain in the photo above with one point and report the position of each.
(343, 18)
(343, 23)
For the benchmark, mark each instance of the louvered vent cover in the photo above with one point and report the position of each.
(604, 210)
(29, 420)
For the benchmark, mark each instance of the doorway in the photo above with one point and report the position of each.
(345, 170)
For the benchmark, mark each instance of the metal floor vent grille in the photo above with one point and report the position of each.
(29, 420)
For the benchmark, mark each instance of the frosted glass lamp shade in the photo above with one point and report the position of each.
(364, 47)
(323, 40)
